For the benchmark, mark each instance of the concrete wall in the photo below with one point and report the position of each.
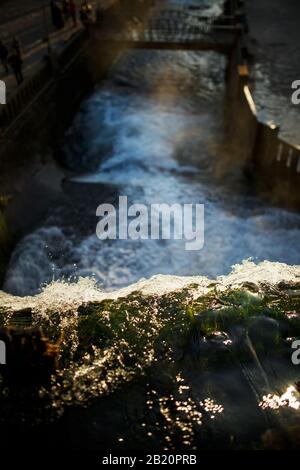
(277, 167)
(257, 146)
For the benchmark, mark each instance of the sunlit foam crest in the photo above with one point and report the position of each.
(62, 294)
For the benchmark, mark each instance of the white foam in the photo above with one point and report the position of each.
(63, 295)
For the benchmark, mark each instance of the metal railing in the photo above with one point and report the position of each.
(29, 89)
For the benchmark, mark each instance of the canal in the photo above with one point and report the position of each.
(153, 131)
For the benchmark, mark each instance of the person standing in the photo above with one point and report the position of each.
(16, 46)
(57, 16)
(3, 56)
(66, 9)
(52, 8)
(16, 63)
(98, 13)
(87, 7)
(73, 12)
(84, 16)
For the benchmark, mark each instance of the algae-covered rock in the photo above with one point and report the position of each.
(206, 365)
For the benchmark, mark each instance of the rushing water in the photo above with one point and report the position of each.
(153, 131)
(154, 138)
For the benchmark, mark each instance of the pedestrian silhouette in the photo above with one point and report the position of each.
(16, 62)
(56, 14)
(73, 12)
(16, 46)
(84, 17)
(66, 9)
(4, 56)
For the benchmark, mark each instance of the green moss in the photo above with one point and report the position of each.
(92, 331)
(112, 342)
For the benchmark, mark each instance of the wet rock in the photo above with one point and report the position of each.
(264, 332)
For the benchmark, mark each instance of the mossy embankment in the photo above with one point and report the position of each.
(181, 369)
